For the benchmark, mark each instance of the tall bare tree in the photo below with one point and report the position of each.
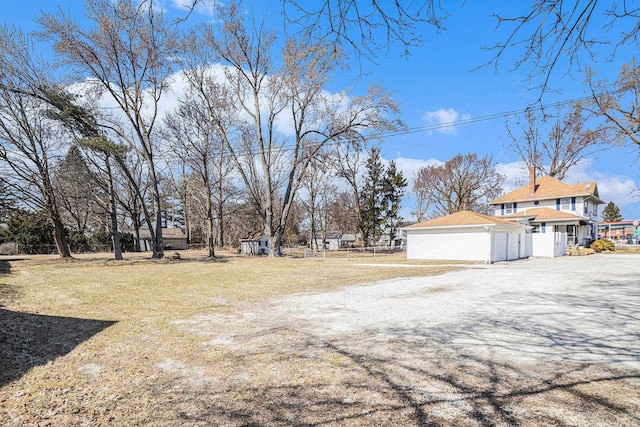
(31, 143)
(271, 161)
(194, 140)
(553, 144)
(465, 182)
(420, 192)
(349, 164)
(125, 46)
(316, 197)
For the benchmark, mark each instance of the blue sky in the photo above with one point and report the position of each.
(437, 83)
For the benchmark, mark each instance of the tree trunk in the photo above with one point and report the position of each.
(115, 235)
(210, 236)
(60, 236)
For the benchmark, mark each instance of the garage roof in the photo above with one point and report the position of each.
(464, 218)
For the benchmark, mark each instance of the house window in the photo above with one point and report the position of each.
(586, 207)
(565, 203)
(508, 208)
(536, 229)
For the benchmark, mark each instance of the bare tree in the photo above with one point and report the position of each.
(568, 139)
(125, 48)
(364, 27)
(554, 36)
(31, 143)
(271, 162)
(133, 191)
(465, 182)
(420, 192)
(317, 185)
(195, 141)
(343, 214)
(349, 164)
(619, 102)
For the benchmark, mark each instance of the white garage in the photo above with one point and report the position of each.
(468, 236)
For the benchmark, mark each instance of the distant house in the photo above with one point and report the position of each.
(332, 241)
(622, 231)
(256, 246)
(552, 206)
(172, 238)
(468, 236)
(348, 240)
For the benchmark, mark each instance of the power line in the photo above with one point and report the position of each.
(487, 117)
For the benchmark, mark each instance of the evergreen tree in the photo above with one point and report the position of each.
(32, 230)
(380, 198)
(372, 198)
(394, 184)
(77, 202)
(611, 213)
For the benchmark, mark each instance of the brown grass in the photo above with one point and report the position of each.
(99, 342)
(98, 287)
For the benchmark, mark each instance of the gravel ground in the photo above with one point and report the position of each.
(534, 342)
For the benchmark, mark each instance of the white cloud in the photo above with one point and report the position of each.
(516, 174)
(444, 120)
(612, 187)
(203, 7)
(409, 167)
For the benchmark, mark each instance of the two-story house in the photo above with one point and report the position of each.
(550, 205)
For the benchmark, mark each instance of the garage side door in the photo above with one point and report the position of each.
(500, 246)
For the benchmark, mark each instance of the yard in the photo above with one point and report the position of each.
(256, 341)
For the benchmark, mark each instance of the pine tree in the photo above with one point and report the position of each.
(372, 197)
(380, 198)
(394, 184)
(611, 213)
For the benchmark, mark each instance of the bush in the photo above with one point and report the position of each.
(603, 245)
(103, 239)
(78, 242)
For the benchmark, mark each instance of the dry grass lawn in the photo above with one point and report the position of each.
(93, 341)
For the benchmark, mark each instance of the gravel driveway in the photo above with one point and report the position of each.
(533, 342)
(578, 309)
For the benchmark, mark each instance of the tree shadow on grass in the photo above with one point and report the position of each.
(28, 340)
(410, 388)
(5, 267)
(567, 358)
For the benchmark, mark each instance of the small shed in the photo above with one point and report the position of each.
(172, 238)
(259, 246)
(348, 240)
(468, 236)
(332, 240)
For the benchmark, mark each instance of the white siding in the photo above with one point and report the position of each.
(549, 244)
(449, 245)
(500, 246)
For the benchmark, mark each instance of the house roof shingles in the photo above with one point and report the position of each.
(463, 218)
(550, 188)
